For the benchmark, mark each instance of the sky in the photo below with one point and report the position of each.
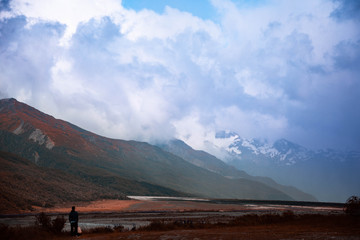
(154, 70)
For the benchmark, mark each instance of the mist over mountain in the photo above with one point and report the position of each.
(211, 163)
(329, 175)
(111, 168)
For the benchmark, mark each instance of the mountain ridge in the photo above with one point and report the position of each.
(130, 167)
(329, 175)
(210, 162)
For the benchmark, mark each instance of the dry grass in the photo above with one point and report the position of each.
(30, 233)
(287, 217)
(251, 226)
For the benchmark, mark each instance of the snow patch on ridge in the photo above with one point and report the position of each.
(284, 156)
(39, 137)
(19, 129)
(248, 144)
(269, 151)
(36, 157)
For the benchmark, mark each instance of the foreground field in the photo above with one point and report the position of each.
(195, 219)
(292, 230)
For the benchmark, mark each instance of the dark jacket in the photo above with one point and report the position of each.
(73, 217)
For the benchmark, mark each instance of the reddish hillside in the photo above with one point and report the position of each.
(20, 118)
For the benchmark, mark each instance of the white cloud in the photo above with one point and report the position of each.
(63, 79)
(191, 130)
(68, 12)
(259, 70)
(198, 133)
(148, 24)
(256, 87)
(251, 123)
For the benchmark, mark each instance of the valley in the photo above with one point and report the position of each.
(62, 163)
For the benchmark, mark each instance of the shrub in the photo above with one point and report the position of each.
(58, 224)
(352, 206)
(119, 228)
(55, 226)
(288, 215)
(162, 225)
(106, 229)
(261, 219)
(43, 220)
(159, 225)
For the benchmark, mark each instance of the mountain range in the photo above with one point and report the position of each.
(213, 164)
(328, 174)
(47, 161)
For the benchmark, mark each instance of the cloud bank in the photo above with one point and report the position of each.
(274, 69)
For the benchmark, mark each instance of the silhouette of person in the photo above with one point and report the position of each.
(73, 219)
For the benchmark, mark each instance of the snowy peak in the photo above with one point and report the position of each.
(328, 174)
(281, 151)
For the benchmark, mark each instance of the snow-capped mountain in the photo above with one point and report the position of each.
(330, 175)
(281, 152)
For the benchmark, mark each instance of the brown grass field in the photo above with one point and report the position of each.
(173, 219)
(293, 230)
(184, 205)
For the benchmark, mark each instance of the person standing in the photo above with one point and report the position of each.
(73, 219)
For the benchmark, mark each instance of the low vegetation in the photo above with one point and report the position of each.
(43, 228)
(352, 206)
(287, 217)
(47, 228)
(55, 226)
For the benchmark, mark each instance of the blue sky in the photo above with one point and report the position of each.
(200, 8)
(153, 70)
